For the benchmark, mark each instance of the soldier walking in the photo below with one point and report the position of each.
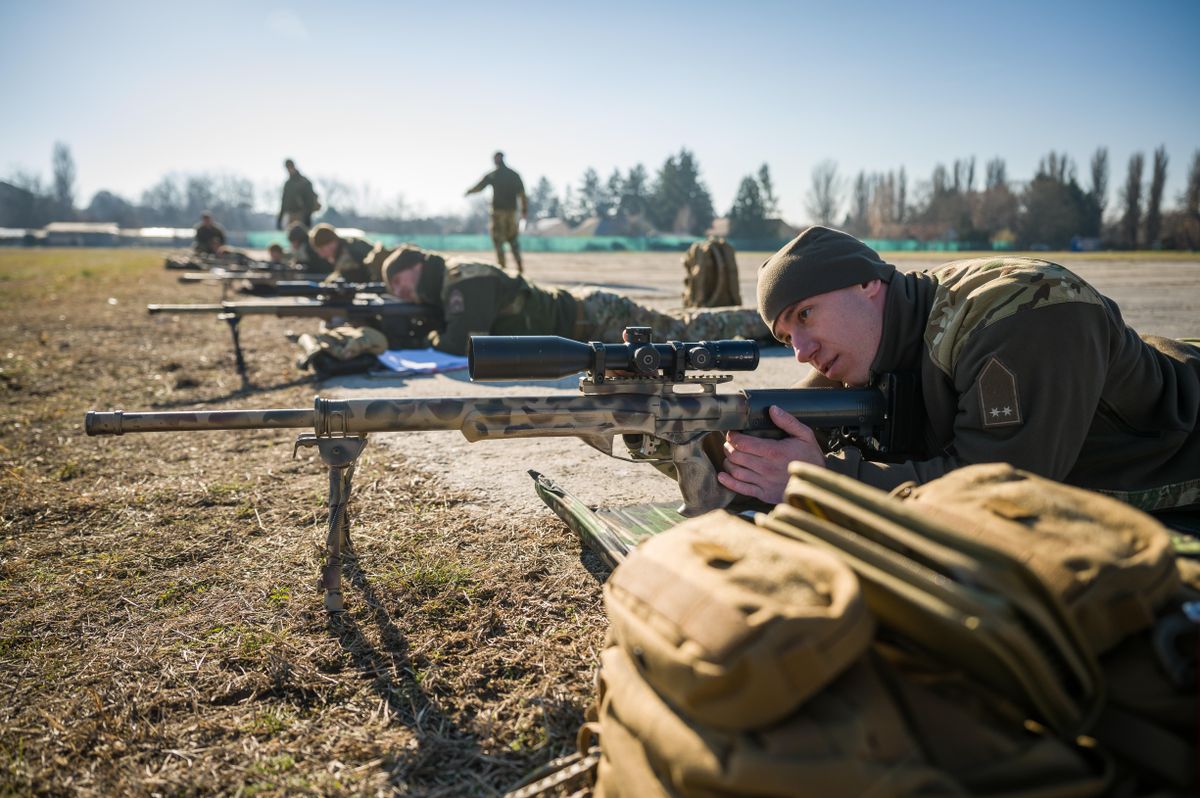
(507, 190)
(299, 201)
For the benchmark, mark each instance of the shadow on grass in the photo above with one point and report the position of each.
(444, 752)
(245, 390)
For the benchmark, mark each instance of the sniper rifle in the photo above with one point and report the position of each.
(257, 283)
(633, 389)
(405, 324)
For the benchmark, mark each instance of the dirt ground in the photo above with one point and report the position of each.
(160, 627)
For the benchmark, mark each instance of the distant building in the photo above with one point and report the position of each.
(82, 234)
(776, 228)
(16, 206)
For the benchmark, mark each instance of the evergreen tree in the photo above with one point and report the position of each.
(612, 192)
(1158, 179)
(748, 216)
(1131, 198)
(680, 201)
(635, 196)
(767, 188)
(592, 200)
(542, 202)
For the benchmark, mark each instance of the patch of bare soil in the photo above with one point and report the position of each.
(160, 627)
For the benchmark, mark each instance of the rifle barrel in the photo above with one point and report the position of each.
(524, 416)
(119, 422)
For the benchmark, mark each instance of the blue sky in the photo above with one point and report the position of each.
(412, 98)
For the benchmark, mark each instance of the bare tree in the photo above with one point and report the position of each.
(995, 174)
(334, 193)
(861, 197)
(901, 195)
(1132, 199)
(1158, 179)
(824, 197)
(64, 177)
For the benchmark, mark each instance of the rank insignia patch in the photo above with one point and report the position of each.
(998, 396)
(455, 303)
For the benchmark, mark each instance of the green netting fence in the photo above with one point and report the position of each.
(530, 243)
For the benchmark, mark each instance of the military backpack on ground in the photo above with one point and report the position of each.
(989, 633)
(711, 277)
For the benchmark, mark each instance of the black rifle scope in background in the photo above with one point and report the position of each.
(551, 357)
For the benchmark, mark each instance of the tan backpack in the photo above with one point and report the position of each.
(710, 277)
(738, 665)
(1018, 647)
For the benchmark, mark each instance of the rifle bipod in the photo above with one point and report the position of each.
(232, 319)
(340, 454)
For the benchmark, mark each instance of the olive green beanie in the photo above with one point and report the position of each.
(815, 262)
(321, 235)
(404, 257)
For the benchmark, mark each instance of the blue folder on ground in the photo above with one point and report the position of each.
(421, 361)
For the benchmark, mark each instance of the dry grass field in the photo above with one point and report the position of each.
(161, 632)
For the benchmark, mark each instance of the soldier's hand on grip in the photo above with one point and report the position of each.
(758, 467)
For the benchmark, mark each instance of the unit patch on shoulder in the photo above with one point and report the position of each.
(998, 401)
(455, 303)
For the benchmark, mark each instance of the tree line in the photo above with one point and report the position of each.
(976, 207)
(1052, 210)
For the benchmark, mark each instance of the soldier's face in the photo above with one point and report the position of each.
(328, 251)
(404, 284)
(838, 332)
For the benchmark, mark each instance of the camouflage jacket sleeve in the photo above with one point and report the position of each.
(1022, 391)
(469, 308)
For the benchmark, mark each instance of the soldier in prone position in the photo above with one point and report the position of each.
(1019, 361)
(354, 260)
(481, 299)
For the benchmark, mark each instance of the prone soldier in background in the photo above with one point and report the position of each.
(304, 257)
(354, 260)
(210, 237)
(482, 299)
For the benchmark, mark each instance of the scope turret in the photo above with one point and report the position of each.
(551, 357)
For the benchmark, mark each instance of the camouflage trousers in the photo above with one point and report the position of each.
(605, 315)
(503, 226)
(342, 343)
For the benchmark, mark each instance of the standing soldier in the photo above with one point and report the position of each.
(299, 201)
(507, 188)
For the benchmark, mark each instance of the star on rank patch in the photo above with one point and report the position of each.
(998, 401)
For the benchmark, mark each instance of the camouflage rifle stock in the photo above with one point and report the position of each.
(631, 389)
(405, 324)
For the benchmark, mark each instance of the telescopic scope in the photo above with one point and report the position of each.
(551, 357)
